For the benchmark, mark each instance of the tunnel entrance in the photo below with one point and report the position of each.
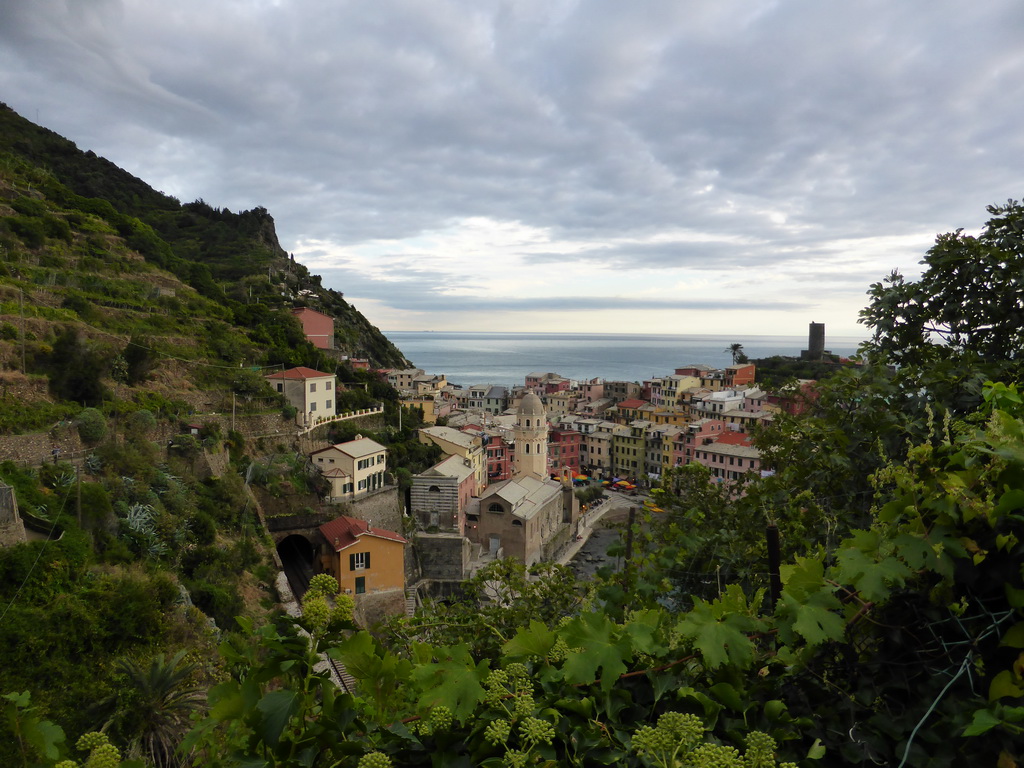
(297, 555)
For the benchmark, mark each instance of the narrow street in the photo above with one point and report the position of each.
(614, 509)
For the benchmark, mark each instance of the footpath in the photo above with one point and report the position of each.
(590, 519)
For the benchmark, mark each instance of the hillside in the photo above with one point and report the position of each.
(135, 333)
(85, 243)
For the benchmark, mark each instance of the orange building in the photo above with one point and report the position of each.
(363, 558)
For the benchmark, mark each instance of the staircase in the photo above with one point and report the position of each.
(347, 681)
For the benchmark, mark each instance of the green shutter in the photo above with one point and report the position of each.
(351, 562)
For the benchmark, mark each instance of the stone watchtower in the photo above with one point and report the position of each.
(531, 435)
(12, 529)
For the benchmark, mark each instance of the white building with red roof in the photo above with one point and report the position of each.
(362, 558)
(312, 393)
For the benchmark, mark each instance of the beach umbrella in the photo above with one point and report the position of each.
(581, 477)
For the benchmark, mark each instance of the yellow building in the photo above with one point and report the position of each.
(362, 558)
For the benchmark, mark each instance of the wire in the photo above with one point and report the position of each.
(42, 549)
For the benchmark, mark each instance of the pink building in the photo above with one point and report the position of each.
(729, 457)
(592, 390)
(564, 450)
(318, 327)
(696, 434)
(500, 458)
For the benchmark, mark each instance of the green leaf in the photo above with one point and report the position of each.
(815, 618)
(452, 680)
(1004, 685)
(729, 696)
(44, 736)
(817, 750)
(807, 576)
(872, 579)
(277, 707)
(719, 641)
(983, 721)
(603, 647)
(642, 630)
(533, 641)
(1014, 596)
(1014, 636)
(1012, 500)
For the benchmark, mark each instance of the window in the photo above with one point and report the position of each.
(312, 387)
(517, 523)
(360, 585)
(312, 406)
(359, 561)
(496, 507)
(280, 387)
(327, 404)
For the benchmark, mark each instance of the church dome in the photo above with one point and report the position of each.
(531, 405)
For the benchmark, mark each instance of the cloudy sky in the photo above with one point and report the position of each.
(712, 166)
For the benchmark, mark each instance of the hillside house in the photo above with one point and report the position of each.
(311, 393)
(318, 327)
(353, 469)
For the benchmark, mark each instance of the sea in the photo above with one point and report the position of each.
(471, 358)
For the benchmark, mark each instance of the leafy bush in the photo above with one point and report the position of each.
(139, 424)
(92, 425)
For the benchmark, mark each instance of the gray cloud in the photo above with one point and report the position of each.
(775, 129)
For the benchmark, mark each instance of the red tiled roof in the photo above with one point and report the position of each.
(733, 438)
(344, 531)
(307, 311)
(299, 373)
(632, 403)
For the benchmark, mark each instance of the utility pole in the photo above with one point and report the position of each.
(21, 312)
(774, 562)
(78, 493)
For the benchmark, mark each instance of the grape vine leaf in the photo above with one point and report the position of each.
(535, 640)
(872, 578)
(452, 680)
(814, 617)
(720, 640)
(596, 644)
